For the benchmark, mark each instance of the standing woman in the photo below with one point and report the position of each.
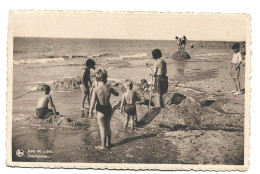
(86, 82)
(161, 80)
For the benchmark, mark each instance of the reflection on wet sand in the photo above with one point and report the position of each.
(181, 67)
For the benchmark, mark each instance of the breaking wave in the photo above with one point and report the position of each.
(139, 55)
(43, 60)
(62, 58)
(212, 54)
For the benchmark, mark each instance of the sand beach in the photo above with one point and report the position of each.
(202, 122)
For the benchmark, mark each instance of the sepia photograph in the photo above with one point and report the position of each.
(128, 90)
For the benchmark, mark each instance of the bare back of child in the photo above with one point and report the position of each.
(128, 102)
(42, 110)
(101, 97)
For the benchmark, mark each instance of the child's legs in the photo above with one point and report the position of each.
(48, 114)
(135, 117)
(157, 100)
(132, 121)
(161, 100)
(126, 121)
(102, 129)
(237, 84)
(84, 92)
(108, 130)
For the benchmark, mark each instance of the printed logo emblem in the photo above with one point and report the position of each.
(20, 152)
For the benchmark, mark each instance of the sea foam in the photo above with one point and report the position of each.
(139, 55)
(39, 60)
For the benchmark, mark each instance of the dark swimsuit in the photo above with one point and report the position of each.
(161, 82)
(104, 109)
(43, 113)
(130, 109)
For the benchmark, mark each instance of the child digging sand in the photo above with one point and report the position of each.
(101, 96)
(85, 82)
(42, 110)
(235, 67)
(128, 102)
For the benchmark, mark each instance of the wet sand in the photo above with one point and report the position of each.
(185, 133)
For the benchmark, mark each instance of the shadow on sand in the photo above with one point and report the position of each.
(130, 139)
(149, 116)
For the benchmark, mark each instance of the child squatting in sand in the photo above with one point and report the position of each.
(42, 110)
(101, 96)
(85, 82)
(128, 102)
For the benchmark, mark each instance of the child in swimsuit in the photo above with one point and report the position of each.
(42, 110)
(101, 96)
(85, 82)
(235, 68)
(128, 102)
(160, 77)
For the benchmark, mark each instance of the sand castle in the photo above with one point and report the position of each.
(181, 55)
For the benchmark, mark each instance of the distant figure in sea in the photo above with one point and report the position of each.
(178, 43)
(235, 67)
(128, 104)
(183, 43)
(160, 78)
(192, 47)
(180, 47)
(85, 82)
(100, 97)
(42, 110)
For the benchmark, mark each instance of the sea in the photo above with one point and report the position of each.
(44, 60)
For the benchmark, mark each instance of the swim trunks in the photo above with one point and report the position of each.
(161, 84)
(235, 71)
(130, 109)
(104, 109)
(43, 113)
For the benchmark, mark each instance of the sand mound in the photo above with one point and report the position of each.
(183, 112)
(181, 55)
(67, 83)
(57, 121)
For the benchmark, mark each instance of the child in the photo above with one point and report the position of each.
(101, 96)
(128, 102)
(85, 82)
(235, 67)
(42, 110)
(161, 80)
(192, 47)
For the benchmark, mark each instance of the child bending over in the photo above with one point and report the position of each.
(128, 102)
(42, 110)
(101, 96)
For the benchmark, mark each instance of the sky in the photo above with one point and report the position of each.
(144, 26)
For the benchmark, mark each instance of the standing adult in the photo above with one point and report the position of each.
(160, 78)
